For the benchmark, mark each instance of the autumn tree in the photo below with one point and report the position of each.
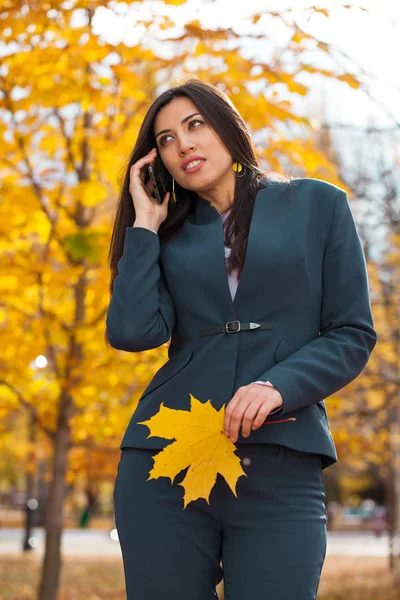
(71, 103)
(365, 417)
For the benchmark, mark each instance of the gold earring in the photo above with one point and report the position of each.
(173, 196)
(238, 168)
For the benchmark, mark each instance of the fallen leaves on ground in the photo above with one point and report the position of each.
(99, 578)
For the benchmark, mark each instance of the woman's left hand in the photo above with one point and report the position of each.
(249, 408)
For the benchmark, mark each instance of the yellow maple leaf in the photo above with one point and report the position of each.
(201, 445)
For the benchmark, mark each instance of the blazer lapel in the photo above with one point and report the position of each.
(273, 267)
(265, 260)
(265, 247)
(205, 238)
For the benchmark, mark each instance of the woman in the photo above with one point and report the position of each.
(296, 328)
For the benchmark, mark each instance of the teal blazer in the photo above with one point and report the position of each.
(304, 273)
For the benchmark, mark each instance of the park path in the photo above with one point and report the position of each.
(96, 542)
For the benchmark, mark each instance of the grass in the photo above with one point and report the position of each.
(343, 578)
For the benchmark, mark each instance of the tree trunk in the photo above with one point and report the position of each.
(30, 488)
(390, 513)
(51, 567)
(396, 498)
(395, 442)
(393, 496)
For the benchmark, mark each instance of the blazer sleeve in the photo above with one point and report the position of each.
(347, 336)
(141, 313)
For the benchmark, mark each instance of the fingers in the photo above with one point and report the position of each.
(262, 414)
(248, 410)
(248, 417)
(239, 413)
(145, 160)
(136, 171)
(236, 418)
(229, 421)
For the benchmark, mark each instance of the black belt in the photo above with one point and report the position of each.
(235, 327)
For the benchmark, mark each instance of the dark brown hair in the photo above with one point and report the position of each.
(223, 117)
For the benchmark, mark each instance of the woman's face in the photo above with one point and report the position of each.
(192, 138)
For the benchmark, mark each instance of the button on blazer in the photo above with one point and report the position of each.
(304, 273)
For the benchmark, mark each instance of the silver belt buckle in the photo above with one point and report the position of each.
(232, 330)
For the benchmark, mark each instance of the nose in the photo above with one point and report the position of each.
(185, 147)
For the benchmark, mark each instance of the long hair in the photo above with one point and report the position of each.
(221, 114)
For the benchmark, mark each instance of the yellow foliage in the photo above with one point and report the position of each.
(201, 445)
(323, 11)
(64, 141)
(350, 80)
(89, 193)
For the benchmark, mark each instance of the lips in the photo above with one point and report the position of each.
(191, 159)
(196, 168)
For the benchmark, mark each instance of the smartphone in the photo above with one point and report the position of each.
(161, 179)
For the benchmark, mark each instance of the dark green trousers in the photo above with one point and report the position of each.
(271, 539)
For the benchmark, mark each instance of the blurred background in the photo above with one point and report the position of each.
(319, 87)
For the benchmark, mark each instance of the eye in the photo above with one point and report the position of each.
(162, 139)
(196, 121)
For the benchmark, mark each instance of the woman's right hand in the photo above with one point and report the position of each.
(146, 206)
